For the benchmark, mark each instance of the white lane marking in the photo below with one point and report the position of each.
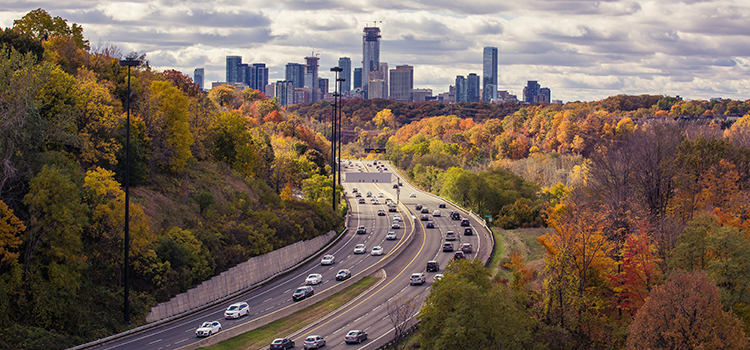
(180, 341)
(155, 341)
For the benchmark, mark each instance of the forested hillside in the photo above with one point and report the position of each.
(214, 180)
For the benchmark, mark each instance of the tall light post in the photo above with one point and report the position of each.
(334, 138)
(338, 136)
(128, 63)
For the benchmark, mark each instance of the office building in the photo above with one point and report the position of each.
(401, 83)
(544, 95)
(233, 63)
(295, 73)
(357, 79)
(345, 63)
(489, 74)
(323, 85)
(311, 78)
(370, 54)
(533, 93)
(420, 95)
(198, 76)
(472, 88)
(461, 89)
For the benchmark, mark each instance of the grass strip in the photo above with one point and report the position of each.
(499, 251)
(264, 335)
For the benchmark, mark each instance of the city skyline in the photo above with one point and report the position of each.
(582, 50)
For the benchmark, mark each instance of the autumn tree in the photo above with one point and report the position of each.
(168, 127)
(685, 313)
(41, 26)
(97, 121)
(639, 271)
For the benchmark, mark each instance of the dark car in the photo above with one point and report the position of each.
(355, 336)
(424, 217)
(425, 210)
(441, 205)
(302, 293)
(465, 222)
(282, 343)
(455, 215)
(458, 255)
(343, 274)
(468, 231)
(361, 201)
(395, 185)
(418, 207)
(448, 247)
(430, 224)
(392, 208)
(466, 248)
(433, 266)
(381, 212)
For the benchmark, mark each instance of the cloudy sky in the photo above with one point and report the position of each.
(581, 49)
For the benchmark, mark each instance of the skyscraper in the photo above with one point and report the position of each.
(370, 54)
(531, 91)
(345, 63)
(401, 83)
(242, 76)
(489, 74)
(295, 73)
(311, 77)
(285, 92)
(198, 75)
(461, 89)
(233, 63)
(472, 88)
(323, 85)
(257, 77)
(357, 79)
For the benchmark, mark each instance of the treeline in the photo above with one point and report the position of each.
(651, 250)
(215, 179)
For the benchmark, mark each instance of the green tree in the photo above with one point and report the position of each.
(41, 26)
(464, 310)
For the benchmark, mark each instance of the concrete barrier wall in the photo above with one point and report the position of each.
(239, 278)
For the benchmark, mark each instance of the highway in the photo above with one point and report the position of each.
(369, 311)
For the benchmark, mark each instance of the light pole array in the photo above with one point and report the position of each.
(126, 264)
(334, 136)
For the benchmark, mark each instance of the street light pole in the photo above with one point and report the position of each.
(338, 137)
(129, 63)
(334, 118)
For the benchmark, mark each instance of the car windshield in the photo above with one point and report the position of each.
(277, 341)
(206, 325)
(233, 307)
(352, 333)
(300, 290)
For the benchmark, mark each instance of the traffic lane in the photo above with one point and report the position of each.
(396, 283)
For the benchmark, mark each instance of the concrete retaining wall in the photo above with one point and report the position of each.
(239, 278)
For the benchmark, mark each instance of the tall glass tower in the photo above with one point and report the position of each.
(198, 75)
(233, 64)
(489, 74)
(370, 54)
(345, 63)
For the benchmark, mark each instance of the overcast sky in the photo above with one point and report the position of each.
(582, 50)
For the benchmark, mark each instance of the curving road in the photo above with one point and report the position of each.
(367, 312)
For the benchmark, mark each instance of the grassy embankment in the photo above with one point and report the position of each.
(262, 336)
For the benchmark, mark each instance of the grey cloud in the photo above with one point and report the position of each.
(155, 40)
(198, 18)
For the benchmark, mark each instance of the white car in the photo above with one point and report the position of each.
(412, 195)
(377, 250)
(381, 195)
(436, 213)
(314, 342)
(396, 217)
(328, 260)
(237, 310)
(208, 328)
(438, 276)
(391, 236)
(360, 249)
(314, 278)
(395, 225)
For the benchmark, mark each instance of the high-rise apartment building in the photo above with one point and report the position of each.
(323, 85)
(401, 83)
(233, 64)
(285, 92)
(257, 76)
(357, 79)
(461, 89)
(489, 74)
(198, 76)
(544, 95)
(295, 73)
(370, 53)
(345, 63)
(311, 76)
(472, 88)
(531, 91)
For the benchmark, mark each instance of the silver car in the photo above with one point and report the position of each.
(314, 342)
